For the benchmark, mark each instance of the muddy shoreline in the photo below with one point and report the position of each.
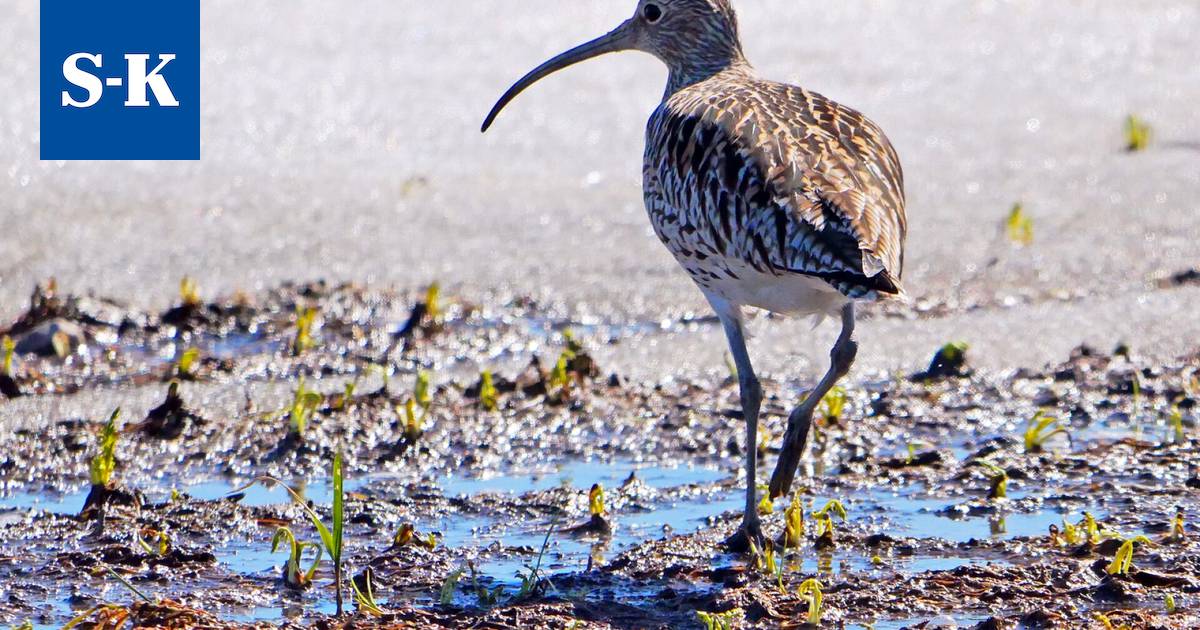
(926, 539)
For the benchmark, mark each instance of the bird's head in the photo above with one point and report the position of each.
(695, 38)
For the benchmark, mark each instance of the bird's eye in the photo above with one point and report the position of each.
(652, 13)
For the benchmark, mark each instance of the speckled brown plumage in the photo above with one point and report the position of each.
(743, 170)
(768, 195)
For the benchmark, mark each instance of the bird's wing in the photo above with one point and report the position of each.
(827, 167)
(839, 160)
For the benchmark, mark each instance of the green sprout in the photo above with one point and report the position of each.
(998, 477)
(954, 352)
(305, 316)
(448, 587)
(433, 306)
(912, 450)
(720, 621)
(793, 523)
(331, 537)
(484, 597)
(810, 591)
(1091, 527)
(1107, 623)
(413, 425)
(769, 563)
(1124, 558)
(407, 535)
(559, 378)
(164, 541)
(293, 575)
(1071, 532)
(189, 292)
(765, 505)
(596, 500)
(1176, 421)
(530, 580)
(421, 390)
(185, 368)
(1169, 604)
(1137, 404)
(1019, 226)
(1039, 431)
(487, 391)
(343, 401)
(833, 404)
(573, 346)
(104, 462)
(824, 518)
(304, 403)
(1178, 530)
(1137, 134)
(8, 347)
(364, 598)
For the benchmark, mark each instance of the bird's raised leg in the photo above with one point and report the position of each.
(751, 395)
(800, 421)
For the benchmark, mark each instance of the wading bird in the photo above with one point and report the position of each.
(769, 196)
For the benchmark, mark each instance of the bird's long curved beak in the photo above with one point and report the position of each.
(621, 38)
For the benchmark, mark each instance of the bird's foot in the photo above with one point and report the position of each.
(749, 532)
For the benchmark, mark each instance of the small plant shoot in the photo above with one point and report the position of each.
(1019, 226)
(824, 519)
(449, 585)
(433, 303)
(148, 535)
(1041, 429)
(793, 523)
(998, 477)
(720, 621)
(596, 500)
(189, 293)
(185, 368)
(1123, 560)
(304, 403)
(331, 535)
(488, 396)
(810, 591)
(421, 390)
(103, 464)
(1137, 134)
(413, 423)
(7, 347)
(364, 597)
(833, 405)
(305, 319)
(293, 575)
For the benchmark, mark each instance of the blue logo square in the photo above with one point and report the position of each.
(120, 80)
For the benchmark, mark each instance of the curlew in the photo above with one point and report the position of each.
(770, 196)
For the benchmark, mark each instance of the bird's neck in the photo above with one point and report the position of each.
(697, 71)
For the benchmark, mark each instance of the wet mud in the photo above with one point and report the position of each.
(972, 498)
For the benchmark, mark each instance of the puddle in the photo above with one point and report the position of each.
(260, 495)
(53, 502)
(580, 474)
(944, 622)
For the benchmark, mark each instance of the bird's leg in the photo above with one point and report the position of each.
(800, 421)
(751, 395)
